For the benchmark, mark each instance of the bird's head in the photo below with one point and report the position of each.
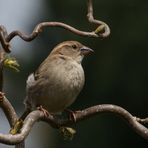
(72, 49)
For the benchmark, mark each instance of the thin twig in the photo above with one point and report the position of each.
(102, 30)
(3, 30)
(1, 68)
(91, 19)
(39, 28)
(4, 43)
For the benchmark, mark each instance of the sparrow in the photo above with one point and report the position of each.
(59, 79)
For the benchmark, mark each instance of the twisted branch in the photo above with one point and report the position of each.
(39, 28)
(101, 31)
(58, 121)
(90, 17)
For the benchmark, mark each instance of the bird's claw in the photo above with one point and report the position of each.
(72, 115)
(45, 112)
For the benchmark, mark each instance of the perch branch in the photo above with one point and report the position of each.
(58, 121)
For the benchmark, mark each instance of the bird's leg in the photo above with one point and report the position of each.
(25, 114)
(45, 112)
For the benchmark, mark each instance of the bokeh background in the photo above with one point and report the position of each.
(117, 73)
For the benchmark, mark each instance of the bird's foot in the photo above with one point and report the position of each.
(45, 112)
(72, 115)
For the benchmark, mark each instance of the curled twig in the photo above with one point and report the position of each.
(102, 30)
(40, 27)
(91, 19)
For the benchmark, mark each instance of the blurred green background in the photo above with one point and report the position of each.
(116, 73)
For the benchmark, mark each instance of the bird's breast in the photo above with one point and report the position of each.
(67, 82)
(72, 75)
(58, 87)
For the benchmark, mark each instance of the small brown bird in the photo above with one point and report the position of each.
(59, 79)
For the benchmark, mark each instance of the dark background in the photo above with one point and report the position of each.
(116, 73)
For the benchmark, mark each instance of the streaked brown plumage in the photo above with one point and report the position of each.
(59, 79)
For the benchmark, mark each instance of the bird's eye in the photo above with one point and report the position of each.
(74, 46)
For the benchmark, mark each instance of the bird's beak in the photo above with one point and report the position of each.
(86, 50)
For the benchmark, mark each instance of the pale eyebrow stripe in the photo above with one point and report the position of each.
(60, 46)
